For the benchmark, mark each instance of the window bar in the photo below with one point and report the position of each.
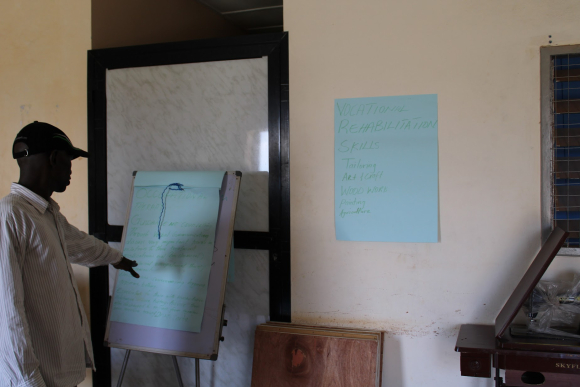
(553, 161)
(565, 94)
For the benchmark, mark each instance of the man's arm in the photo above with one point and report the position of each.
(87, 250)
(18, 363)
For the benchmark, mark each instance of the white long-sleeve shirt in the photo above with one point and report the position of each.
(44, 332)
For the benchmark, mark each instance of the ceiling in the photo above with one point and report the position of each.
(254, 16)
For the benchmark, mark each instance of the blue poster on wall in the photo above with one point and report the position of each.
(386, 169)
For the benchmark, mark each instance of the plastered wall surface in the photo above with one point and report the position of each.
(43, 77)
(482, 60)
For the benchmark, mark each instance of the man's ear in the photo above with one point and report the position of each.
(52, 157)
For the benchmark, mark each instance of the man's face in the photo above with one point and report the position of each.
(61, 170)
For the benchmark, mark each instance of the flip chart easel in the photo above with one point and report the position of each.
(198, 345)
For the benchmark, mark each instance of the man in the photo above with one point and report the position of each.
(44, 332)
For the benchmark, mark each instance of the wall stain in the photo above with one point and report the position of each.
(25, 114)
(391, 329)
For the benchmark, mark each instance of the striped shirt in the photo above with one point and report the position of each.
(44, 332)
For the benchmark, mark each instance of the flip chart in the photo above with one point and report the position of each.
(171, 233)
(386, 168)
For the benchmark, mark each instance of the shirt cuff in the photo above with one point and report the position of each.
(119, 261)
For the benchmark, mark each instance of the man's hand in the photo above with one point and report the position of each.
(127, 265)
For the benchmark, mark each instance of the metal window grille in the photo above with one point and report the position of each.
(565, 160)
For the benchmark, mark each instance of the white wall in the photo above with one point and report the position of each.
(482, 59)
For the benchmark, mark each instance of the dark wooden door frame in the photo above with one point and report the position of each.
(276, 240)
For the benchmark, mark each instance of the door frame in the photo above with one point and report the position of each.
(276, 240)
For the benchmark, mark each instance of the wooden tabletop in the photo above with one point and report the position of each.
(481, 339)
(476, 338)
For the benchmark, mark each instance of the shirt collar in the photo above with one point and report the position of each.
(37, 201)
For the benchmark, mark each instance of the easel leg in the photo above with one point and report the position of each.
(177, 373)
(123, 368)
(197, 382)
(498, 379)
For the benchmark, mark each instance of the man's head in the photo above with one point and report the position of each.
(41, 137)
(44, 155)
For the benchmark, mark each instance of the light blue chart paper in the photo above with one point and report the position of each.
(386, 169)
(171, 233)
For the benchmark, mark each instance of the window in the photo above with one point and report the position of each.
(560, 77)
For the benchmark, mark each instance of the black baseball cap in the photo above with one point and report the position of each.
(42, 137)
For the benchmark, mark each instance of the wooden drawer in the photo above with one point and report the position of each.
(476, 364)
(545, 379)
(540, 364)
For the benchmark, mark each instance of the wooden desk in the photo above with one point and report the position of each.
(480, 350)
(553, 362)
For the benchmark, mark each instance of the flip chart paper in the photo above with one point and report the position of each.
(173, 243)
(386, 169)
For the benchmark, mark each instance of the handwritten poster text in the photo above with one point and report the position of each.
(386, 168)
(171, 234)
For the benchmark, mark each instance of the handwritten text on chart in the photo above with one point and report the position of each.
(174, 250)
(386, 168)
